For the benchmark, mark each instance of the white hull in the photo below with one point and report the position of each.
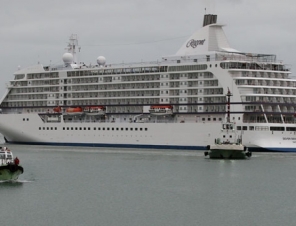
(195, 135)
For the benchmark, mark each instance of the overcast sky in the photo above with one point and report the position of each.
(35, 30)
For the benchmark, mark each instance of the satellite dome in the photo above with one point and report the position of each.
(101, 60)
(68, 58)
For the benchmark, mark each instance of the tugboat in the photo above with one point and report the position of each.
(9, 166)
(229, 146)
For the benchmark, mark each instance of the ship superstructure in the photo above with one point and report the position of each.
(178, 102)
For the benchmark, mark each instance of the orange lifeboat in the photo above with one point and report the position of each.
(74, 111)
(57, 109)
(161, 110)
(95, 110)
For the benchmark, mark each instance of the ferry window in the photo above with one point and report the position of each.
(103, 128)
(67, 128)
(230, 136)
(209, 119)
(251, 127)
(136, 129)
(220, 119)
(71, 128)
(238, 118)
(84, 128)
(27, 119)
(215, 65)
(126, 128)
(214, 119)
(39, 128)
(108, 128)
(99, 128)
(112, 128)
(203, 119)
(117, 128)
(80, 128)
(63, 128)
(55, 128)
(121, 128)
(24, 119)
(131, 129)
(43, 128)
(51, 128)
(95, 128)
(146, 129)
(223, 136)
(245, 128)
(88, 128)
(238, 128)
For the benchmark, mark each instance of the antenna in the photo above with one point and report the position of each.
(205, 11)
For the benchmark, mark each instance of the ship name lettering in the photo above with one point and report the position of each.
(194, 43)
(289, 138)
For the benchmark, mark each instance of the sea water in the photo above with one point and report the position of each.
(141, 187)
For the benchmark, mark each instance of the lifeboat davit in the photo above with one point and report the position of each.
(161, 110)
(95, 110)
(74, 111)
(57, 109)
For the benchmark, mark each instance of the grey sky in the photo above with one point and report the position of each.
(35, 30)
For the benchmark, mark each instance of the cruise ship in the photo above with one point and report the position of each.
(178, 102)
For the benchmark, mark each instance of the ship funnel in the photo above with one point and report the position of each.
(209, 19)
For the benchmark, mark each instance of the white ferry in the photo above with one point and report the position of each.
(191, 85)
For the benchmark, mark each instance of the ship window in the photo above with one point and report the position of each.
(238, 128)
(126, 128)
(117, 128)
(71, 128)
(146, 129)
(27, 119)
(88, 128)
(63, 128)
(108, 128)
(67, 128)
(99, 128)
(277, 128)
(136, 129)
(103, 128)
(51, 128)
(220, 119)
(223, 136)
(80, 128)
(251, 127)
(203, 119)
(43, 128)
(291, 128)
(121, 128)
(131, 129)
(39, 128)
(55, 128)
(112, 128)
(95, 128)
(245, 128)
(84, 128)
(76, 128)
(214, 119)
(209, 119)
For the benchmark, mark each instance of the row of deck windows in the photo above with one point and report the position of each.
(266, 128)
(95, 128)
